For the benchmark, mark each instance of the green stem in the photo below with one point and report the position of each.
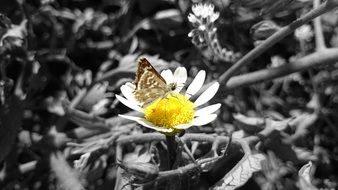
(172, 147)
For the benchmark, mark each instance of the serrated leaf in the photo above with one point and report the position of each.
(241, 173)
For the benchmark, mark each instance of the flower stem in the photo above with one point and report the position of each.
(172, 147)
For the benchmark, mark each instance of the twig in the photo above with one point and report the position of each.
(276, 37)
(193, 167)
(320, 42)
(14, 174)
(79, 97)
(323, 57)
(149, 137)
(186, 149)
(120, 181)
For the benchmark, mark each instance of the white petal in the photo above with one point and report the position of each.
(168, 76)
(207, 110)
(180, 75)
(130, 117)
(128, 93)
(198, 121)
(130, 85)
(196, 84)
(130, 104)
(183, 126)
(207, 95)
(147, 124)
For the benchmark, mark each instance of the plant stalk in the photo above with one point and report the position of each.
(171, 147)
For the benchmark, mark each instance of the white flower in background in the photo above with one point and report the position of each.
(175, 112)
(204, 33)
(202, 18)
(304, 33)
(205, 11)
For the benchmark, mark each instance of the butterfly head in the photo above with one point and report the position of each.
(172, 86)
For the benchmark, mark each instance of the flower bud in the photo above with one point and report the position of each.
(263, 30)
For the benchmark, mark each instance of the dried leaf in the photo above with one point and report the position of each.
(241, 173)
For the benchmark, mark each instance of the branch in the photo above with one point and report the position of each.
(276, 37)
(320, 42)
(150, 137)
(323, 57)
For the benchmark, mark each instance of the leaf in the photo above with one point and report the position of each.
(10, 122)
(18, 32)
(167, 20)
(250, 125)
(305, 177)
(207, 166)
(302, 124)
(281, 148)
(67, 177)
(86, 120)
(304, 154)
(241, 173)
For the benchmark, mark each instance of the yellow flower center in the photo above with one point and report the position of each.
(175, 109)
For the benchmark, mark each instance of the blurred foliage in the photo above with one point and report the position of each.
(62, 61)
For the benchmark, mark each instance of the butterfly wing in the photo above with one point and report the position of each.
(143, 67)
(150, 85)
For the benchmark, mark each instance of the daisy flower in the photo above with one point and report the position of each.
(174, 112)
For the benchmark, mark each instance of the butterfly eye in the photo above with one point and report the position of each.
(173, 87)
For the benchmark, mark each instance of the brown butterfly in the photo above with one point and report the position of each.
(150, 85)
